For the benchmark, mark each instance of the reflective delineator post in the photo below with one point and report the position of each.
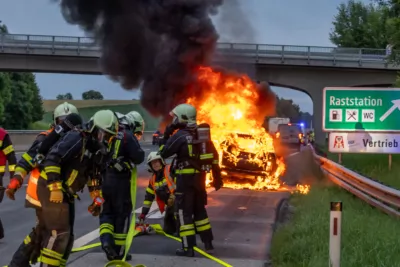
(335, 234)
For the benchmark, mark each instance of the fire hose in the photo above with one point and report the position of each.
(132, 232)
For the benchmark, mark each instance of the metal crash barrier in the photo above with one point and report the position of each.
(383, 197)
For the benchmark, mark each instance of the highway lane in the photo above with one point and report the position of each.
(242, 222)
(18, 220)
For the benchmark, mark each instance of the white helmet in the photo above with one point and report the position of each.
(154, 156)
(62, 110)
(122, 119)
(136, 121)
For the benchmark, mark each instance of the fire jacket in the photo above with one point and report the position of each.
(66, 164)
(160, 187)
(27, 165)
(124, 150)
(188, 161)
(7, 152)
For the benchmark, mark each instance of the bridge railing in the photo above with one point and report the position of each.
(87, 47)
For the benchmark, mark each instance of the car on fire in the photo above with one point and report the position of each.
(245, 157)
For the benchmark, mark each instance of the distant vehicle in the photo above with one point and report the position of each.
(274, 122)
(290, 135)
(246, 157)
(156, 137)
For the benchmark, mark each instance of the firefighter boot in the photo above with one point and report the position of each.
(209, 248)
(110, 252)
(185, 252)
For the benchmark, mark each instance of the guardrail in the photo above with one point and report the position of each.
(378, 195)
(23, 139)
(87, 47)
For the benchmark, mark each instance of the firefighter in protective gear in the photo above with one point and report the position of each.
(7, 154)
(29, 250)
(65, 172)
(123, 152)
(190, 172)
(136, 123)
(161, 188)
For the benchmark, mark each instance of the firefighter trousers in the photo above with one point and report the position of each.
(192, 216)
(29, 250)
(117, 208)
(58, 221)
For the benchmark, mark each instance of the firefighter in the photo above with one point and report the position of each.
(29, 250)
(64, 174)
(161, 188)
(195, 156)
(124, 151)
(7, 154)
(136, 123)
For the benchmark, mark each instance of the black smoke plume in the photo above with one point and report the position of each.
(155, 44)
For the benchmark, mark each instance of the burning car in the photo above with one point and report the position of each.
(244, 156)
(235, 107)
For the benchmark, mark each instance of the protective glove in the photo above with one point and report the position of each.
(13, 186)
(169, 130)
(96, 207)
(171, 200)
(141, 218)
(217, 185)
(95, 193)
(56, 196)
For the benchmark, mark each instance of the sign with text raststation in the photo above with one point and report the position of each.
(361, 109)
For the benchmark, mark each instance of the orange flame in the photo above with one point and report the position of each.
(231, 106)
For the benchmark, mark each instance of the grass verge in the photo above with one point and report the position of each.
(369, 237)
(39, 125)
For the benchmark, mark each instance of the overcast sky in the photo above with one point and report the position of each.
(289, 22)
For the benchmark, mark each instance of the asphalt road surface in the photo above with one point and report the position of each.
(242, 222)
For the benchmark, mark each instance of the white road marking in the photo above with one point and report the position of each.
(293, 154)
(154, 212)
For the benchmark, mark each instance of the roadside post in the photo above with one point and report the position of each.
(362, 120)
(335, 234)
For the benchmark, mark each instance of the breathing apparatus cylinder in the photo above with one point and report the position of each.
(202, 140)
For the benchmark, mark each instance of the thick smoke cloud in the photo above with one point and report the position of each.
(234, 24)
(157, 44)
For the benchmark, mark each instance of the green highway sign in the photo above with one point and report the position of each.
(361, 109)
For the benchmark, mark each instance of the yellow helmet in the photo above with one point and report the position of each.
(62, 110)
(185, 113)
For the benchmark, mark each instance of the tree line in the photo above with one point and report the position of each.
(20, 100)
(375, 24)
(88, 95)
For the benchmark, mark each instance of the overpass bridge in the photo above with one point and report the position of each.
(305, 68)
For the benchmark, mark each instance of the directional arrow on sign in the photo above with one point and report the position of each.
(396, 104)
